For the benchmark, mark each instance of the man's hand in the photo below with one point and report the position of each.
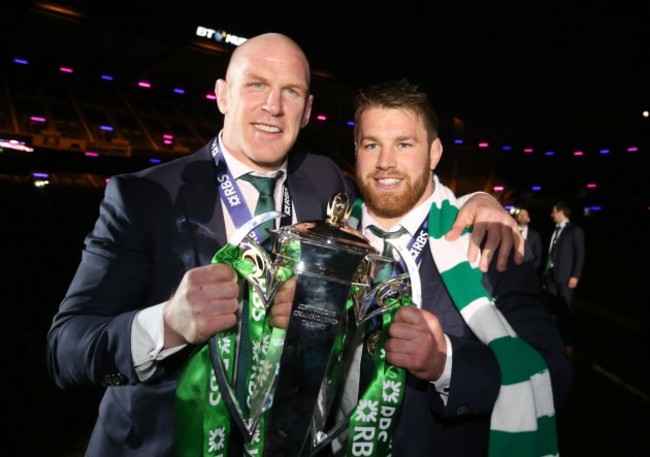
(205, 303)
(281, 309)
(416, 343)
(487, 216)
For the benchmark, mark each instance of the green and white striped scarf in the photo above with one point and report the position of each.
(523, 419)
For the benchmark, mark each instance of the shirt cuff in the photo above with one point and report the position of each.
(442, 383)
(147, 340)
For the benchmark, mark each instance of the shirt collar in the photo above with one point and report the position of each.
(238, 168)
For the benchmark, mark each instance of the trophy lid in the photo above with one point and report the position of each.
(331, 231)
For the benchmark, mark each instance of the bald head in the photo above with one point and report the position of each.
(275, 47)
(265, 100)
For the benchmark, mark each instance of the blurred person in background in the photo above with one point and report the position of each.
(565, 261)
(532, 237)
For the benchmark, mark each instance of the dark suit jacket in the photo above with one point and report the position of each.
(569, 254)
(461, 428)
(534, 244)
(153, 226)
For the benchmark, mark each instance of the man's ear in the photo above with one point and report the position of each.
(221, 92)
(307, 113)
(435, 153)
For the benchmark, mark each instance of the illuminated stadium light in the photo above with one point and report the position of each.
(41, 179)
(587, 210)
(15, 145)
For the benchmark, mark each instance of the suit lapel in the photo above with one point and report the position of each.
(203, 212)
(307, 200)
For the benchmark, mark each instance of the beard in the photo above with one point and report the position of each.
(392, 204)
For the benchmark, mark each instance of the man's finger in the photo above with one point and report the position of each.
(478, 233)
(520, 247)
(455, 231)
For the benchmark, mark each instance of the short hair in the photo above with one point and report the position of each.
(398, 94)
(562, 206)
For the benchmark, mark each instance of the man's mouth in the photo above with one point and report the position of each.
(388, 181)
(267, 128)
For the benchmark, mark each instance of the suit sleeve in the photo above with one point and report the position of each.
(89, 340)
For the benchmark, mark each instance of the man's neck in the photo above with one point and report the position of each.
(410, 220)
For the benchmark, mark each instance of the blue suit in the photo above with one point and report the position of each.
(568, 259)
(153, 226)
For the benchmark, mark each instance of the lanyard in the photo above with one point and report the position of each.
(232, 197)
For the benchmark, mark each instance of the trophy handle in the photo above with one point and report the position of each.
(243, 231)
(383, 294)
(258, 279)
(228, 393)
(412, 271)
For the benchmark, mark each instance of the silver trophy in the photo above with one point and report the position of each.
(334, 267)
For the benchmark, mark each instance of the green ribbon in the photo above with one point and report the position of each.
(202, 427)
(373, 420)
(232, 255)
(203, 423)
